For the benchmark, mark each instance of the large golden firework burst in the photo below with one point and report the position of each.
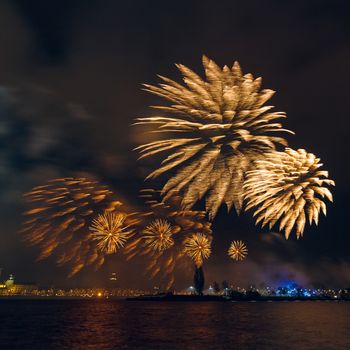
(238, 250)
(216, 128)
(198, 248)
(176, 225)
(59, 223)
(110, 231)
(288, 187)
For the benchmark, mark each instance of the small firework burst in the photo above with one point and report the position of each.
(288, 186)
(198, 248)
(158, 235)
(212, 130)
(238, 250)
(59, 221)
(165, 264)
(110, 231)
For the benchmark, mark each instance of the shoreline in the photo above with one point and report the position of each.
(174, 298)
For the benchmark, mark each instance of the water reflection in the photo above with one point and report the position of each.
(108, 324)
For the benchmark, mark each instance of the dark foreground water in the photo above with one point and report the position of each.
(113, 324)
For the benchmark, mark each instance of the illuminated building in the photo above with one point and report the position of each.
(2, 285)
(113, 276)
(11, 287)
(10, 282)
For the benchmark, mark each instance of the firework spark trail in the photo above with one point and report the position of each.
(59, 223)
(165, 216)
(288, 187)
(238, 250)
(217, 127)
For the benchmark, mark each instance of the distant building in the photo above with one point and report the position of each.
(210, 290)
(113, 276)
(10, 282)
(10, 287)
(2, 285)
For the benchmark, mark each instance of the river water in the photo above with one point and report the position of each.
(118, 324)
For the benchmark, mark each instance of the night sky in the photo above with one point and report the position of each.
(84, 61)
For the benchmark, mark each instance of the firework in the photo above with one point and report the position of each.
(215, 129)
(110, 232)
(288, 187)
(158, 235)
(63, 211)
(198, 248)
(238, 250)
(165, 257)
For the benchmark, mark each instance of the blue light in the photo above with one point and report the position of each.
(292, 289)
